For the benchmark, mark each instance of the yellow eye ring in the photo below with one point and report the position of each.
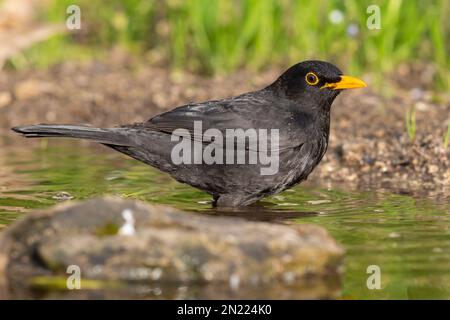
(311, 78)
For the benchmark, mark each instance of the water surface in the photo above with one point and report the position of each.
(407, 237)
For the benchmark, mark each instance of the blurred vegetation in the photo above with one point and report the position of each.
(224, 35)
(410, 120)
(446, 137)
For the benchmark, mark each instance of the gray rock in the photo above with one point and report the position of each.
(162, 252)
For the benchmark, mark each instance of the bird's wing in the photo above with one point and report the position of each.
(248, 111)
(219, 114)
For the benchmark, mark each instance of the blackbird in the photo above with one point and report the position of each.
(290, 119)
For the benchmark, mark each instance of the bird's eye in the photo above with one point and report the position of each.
(311, 78)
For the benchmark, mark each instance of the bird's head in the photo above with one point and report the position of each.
(316, 83)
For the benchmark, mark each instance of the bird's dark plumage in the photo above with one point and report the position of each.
(297, 104)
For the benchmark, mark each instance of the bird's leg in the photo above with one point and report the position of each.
(214, 202)
(234, 200)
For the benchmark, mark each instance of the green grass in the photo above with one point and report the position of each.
(410, 120)
(221, 36)
(446, 137)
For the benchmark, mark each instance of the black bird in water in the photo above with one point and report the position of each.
(290, 120)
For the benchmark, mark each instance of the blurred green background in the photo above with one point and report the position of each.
(222, 36)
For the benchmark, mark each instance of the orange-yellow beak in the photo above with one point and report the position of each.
(346, 82)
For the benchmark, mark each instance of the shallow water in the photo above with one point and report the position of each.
(407, 237)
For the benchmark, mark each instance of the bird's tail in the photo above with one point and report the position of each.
(113, 136)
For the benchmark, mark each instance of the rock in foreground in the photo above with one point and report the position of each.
(173, 253)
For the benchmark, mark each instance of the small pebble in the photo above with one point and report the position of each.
(314, 202)
(63, 196)
(394, 235)
(5, 98)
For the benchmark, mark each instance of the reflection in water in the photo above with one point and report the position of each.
(407, 237)
(308, 289)
(262, 211)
